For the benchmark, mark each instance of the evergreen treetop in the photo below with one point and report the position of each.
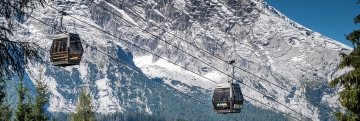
(13, 54)
(350, 97)
(84, 108)
(20, 112)
(41, 99)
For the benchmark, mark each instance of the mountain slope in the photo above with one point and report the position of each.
(261, 40)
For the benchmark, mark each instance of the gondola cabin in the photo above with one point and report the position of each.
(66, 50)
(227, 98)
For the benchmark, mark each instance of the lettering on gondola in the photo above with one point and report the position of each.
(222, 105)
(227, 98)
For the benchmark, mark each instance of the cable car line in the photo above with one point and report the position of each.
(197, 48)
(129, 42)
(134, 69)
(144, 73)
(228, 97)
(93, 26)
(166, 85)
(272, 107)
(246, 71)
(175, 47)
(173, 62)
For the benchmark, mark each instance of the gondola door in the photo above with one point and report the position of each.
(75, 48)
(237, 99)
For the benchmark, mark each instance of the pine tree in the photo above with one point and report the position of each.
(350, 97)
(22, 108)
(6, 113)
(28, 107)
(41, 99)
(11, 52)
(84, 108)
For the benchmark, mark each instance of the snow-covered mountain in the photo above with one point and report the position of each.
(263, 42)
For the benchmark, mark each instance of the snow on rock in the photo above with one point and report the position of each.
(106, 101)
(164, 69)
(262, 40)
(126, 16)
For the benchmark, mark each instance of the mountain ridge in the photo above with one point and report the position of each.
(261, 44)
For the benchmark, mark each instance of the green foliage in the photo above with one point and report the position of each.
(5, 112)
(2, 87)
(350, 97)
(27, 109)
(23, 109)
(13, 55)
(130, 117)
(84, 108)
(40, 100)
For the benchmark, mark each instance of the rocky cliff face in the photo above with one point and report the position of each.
(263, 42)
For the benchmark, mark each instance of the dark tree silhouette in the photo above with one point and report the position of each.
(350, 97)
(13, 54)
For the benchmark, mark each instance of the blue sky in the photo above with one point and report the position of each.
(331, 18)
